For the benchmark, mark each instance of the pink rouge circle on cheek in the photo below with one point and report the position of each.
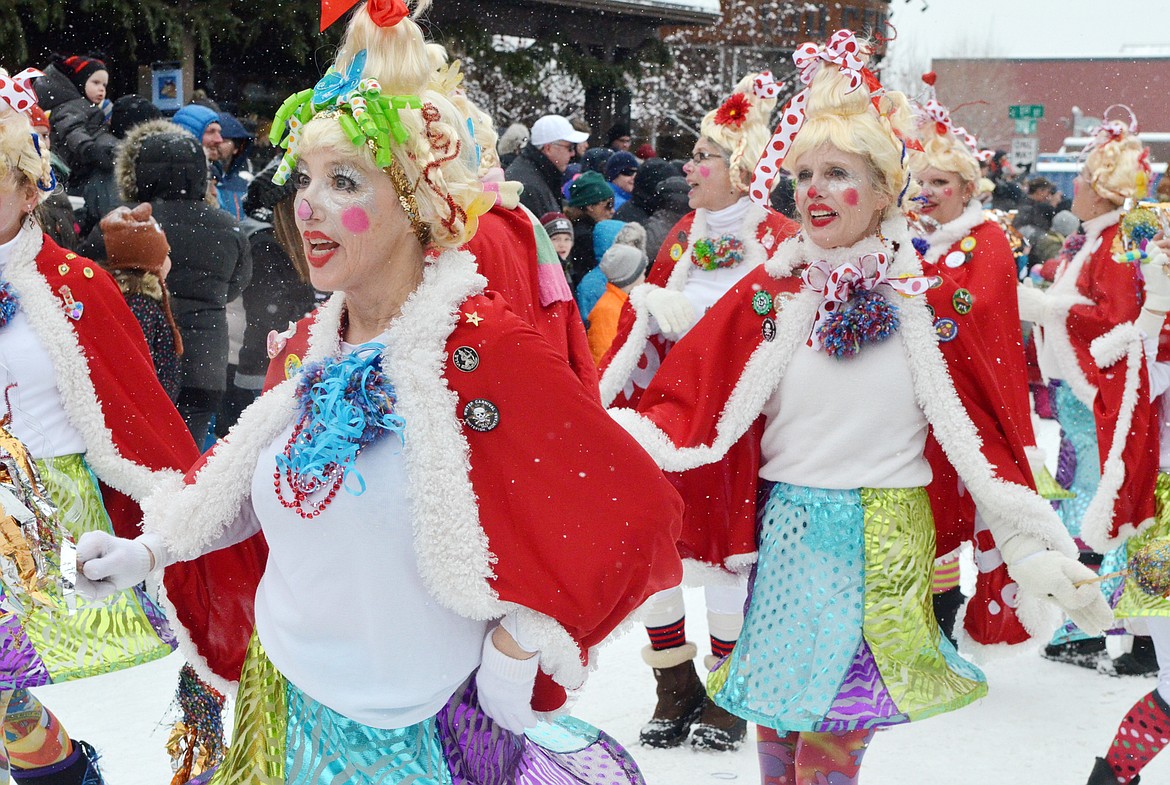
(851, 197)
(705, 171)
(355, 220)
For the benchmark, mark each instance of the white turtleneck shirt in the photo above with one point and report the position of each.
(38, 415)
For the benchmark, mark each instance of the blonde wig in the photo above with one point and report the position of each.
(945, 152)
(742, 142)
(850, 122)
(20, 155)
(435, 168)
(1117, 165)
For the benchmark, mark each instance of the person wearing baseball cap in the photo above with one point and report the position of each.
(551, 145)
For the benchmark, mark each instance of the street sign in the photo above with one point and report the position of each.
(1024, 151)
(1025, 126)
(1026, 111)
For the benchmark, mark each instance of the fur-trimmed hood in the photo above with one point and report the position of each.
(159, 160)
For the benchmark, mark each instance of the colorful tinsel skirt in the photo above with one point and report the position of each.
(1128, 599)
(840, 632)
(50, 645)
(1078, 467)
(283, 736)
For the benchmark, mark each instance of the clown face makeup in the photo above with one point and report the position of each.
(709, 177)
(944, 195)
(836, 197)
(350, 220)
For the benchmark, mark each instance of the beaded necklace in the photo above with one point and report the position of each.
(344, 405)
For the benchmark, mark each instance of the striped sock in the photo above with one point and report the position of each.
(721, 648)
(670, 636)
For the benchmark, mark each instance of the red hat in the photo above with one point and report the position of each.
(37, 117)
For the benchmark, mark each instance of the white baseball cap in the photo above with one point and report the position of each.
(554, 128)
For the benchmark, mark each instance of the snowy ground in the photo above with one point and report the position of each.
(1042, 724)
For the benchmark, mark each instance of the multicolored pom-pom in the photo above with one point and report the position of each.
(717, 252)
(867, 318)
(1150, 568)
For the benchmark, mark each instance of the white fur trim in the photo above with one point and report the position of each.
(984, 653)
(669, 658)
(1124, 340)
(78, 396)
(945, 236)
(733, 573)
(619, 370)
(450, 545)
(1063, 294)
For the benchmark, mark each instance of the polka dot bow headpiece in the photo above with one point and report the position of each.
(17, 91)
(842, 50)
(941, 117)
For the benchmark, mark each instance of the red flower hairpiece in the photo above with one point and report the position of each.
(734, 111)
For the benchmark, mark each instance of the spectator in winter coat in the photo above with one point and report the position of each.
(70, 93)
(619, 137)
(204, 124)
(643, 200)
(234, 162)
(539, 165)
(54, 214)
(620, 170)
(592, 284)
(138, 256)
(279, 293)
(590, 201)
(672, 204)
(624, 267)
(160, 163)
(560, 230)
(512, 141)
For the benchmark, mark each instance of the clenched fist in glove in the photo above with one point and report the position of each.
(1041, 307)
(108, 564)
(1044, 573)
(505, 686)
(673, 312)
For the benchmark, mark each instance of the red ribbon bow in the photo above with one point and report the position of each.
(385, 13)
(17, 91)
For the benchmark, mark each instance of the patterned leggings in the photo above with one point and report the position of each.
(33, 736)
(802, 758)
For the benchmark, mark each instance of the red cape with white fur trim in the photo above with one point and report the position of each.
(505, 250)
(105, 375)
(555, 512)
(989, 275)
(684, 420)
(715, 500)
(1111, 359)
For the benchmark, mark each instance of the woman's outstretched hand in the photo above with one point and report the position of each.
(108, 564)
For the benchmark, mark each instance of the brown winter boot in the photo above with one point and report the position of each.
(680, 695)
(717, 729)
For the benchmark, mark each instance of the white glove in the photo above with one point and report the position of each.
(505, 687)
(111, 564)
(1157, 302)
(672, 310)
(1044, 573)
(1042, 307)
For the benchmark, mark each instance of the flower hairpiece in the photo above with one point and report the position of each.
(734, 111)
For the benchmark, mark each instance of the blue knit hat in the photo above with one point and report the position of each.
(194, 119)
(604, 233)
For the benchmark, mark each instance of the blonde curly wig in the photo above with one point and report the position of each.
(744, 144)
(439, 156)
(849, 122)
(20, 157)
(1118, 167)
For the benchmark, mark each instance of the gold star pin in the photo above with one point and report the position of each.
(473, 318)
